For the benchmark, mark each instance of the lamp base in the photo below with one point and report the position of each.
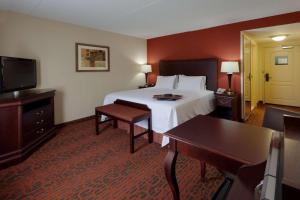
(146, 79)
(229, 91)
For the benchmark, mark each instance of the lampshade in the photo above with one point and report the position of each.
(146, 68)
(229, 67)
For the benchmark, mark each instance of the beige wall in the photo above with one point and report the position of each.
(53, 45)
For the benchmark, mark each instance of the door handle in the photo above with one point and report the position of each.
(249, 77)
(267, 77)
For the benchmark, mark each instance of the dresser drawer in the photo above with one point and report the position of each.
(224, 101)
(37, 118)
(34, 134)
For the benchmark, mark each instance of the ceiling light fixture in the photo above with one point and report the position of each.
(279, 38)
(287, 46)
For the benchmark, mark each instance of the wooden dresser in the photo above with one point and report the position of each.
(26, 121)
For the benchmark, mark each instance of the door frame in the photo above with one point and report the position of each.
(242, 75)
(242, 36)
(262, 62)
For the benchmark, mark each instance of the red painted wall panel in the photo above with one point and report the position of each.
(222, 42)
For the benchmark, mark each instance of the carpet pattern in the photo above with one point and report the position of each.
(77, 164)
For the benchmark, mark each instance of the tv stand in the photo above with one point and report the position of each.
(26, 121)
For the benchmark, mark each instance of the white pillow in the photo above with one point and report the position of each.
(203, 82)
(195, 83)
(166, 82)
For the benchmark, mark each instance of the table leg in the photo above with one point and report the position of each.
(170, 163)
(97, 116)
(203, 170)
(131, 137)
(115, 123)
(150, 132)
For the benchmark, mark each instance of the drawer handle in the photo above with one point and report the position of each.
(40, 131)
(224, 101)
(40, 113)
(40, 122)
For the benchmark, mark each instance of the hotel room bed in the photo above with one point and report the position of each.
(167, 114)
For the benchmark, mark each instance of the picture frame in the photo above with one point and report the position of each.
(92, 58)
(281, 60)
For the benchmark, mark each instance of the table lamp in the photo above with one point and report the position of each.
(229, 67)
(146, 69)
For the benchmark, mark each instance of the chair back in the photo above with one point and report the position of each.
(273, 118)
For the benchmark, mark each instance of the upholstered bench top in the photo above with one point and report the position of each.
(125, 113)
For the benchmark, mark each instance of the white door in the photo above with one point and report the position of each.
(282, 86)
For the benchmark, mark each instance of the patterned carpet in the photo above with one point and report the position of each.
(77, 164)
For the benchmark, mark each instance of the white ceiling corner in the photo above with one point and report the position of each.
(150, 18)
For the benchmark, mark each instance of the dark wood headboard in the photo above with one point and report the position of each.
(201, 67)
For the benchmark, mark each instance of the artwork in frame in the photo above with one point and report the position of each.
(281, 60)
(91, 58)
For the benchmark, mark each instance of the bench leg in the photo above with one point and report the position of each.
(131, 137)
(203, 170)
(115, 123)
(150, 132)
(97, 118)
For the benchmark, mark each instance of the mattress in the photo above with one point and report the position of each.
(167, 114)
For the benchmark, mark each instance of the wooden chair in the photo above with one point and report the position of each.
(273, 118)
(249, 177)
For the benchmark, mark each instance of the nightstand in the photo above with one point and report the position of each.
(145, 86)
(227, 106)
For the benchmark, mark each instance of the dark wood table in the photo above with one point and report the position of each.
(225, 144)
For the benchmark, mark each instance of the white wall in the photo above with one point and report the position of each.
(53, 45)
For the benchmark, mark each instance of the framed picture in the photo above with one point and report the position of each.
(90, 58)
(281, 60)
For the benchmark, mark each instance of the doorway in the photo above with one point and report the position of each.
(270, 69)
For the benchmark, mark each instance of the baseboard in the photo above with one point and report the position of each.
(61, 125)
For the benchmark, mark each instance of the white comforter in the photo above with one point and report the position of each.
(167, 114)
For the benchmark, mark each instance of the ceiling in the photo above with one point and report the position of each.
(150, 18)
(263, 35)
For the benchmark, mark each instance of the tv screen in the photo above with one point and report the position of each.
(17, 74)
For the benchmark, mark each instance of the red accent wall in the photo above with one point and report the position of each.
(222, 42)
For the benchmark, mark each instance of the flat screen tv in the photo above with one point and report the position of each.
(17, 74)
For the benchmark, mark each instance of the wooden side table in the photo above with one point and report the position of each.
(227, 106)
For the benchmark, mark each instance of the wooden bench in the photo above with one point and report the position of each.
(128, 112)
